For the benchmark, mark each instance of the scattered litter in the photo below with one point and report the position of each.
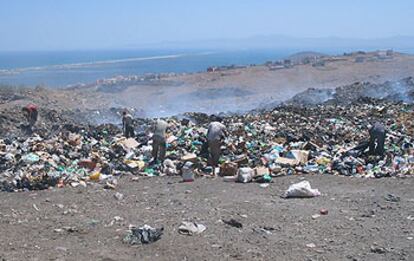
(264, 230)
(191, 228)
(35, 207)
(392, 198)
(119, 196)
(245, 175)
(315, 216)
(323, 211)
(143, 235)
(234, 223)
(188, 172)
(301, 190)
(378, 250)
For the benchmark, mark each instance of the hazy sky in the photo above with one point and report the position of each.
(90, 24)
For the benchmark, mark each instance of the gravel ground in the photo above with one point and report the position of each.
(90, 223)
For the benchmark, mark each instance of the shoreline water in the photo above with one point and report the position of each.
(59, 70)
(86, 71)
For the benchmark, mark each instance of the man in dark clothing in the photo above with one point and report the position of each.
(377, 139)
(159, 145)
(127, 124)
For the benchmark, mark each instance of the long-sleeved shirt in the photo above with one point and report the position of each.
(160, 128)
(216, 131)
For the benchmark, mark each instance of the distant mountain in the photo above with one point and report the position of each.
(289, 42)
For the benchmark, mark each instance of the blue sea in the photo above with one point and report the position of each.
(59, 69)
(65, 68)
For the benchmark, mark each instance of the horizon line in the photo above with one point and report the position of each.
(150, 45)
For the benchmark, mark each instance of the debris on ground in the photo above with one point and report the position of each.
(392, 198)
(234, 223)
(323, 211)
(302, 189)
(143, 235)
(191, 228)
(378, 250)
(119, 196)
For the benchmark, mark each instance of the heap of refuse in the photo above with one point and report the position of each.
(397, 91)
(288, 140)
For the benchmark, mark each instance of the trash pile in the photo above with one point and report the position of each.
(397, 91)
(288, 140)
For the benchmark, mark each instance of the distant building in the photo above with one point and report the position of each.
(319, 63)
(276, 67)
(381, 54)
(359, 59)
(390, 52)
(211, 69)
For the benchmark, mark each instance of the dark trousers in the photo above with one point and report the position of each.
(215, 151)
(129, 131)
(376, 143)
(158, 148)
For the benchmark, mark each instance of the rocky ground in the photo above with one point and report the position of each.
(90, 223)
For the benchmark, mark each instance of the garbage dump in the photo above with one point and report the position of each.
(290, 139)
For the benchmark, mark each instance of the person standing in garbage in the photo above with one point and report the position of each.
(127, 124)
(159, 144)
(216, 133)
(31, 115)
(377, 139)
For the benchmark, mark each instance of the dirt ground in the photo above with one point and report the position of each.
(90, 223)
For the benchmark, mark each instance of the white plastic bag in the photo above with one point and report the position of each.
(301, 190)
(191, 228)
(187, 172)
(245, 175)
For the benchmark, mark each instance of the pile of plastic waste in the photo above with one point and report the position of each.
(287, 140)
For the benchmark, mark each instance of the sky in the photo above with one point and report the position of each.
(106, 24)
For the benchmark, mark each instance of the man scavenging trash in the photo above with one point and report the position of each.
(127, 124)
(31, 115)
(159, 141)
(377, 139)
(375, 143)
(216, 133)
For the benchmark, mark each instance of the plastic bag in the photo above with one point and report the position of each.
(302, 189)
(245, 175)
